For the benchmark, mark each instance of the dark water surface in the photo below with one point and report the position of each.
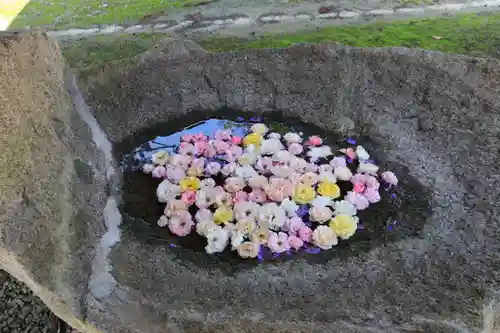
(401, 213)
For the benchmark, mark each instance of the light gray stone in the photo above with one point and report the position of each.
(92, 269)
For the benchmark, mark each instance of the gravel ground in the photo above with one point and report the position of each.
(23, 312)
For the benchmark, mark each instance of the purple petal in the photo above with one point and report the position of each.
(393, 196)
(351, 141)
(172, 245)
(389, 227)
(349, 160)
(313, 250)
(361, 227)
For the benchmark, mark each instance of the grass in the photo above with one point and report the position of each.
(472, 34)
(77, 13)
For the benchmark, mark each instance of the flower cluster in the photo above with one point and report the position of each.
(264, 190)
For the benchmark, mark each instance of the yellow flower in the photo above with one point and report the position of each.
(344, 225)
(222, 215)
(190, 184)
(303, 194)
(252, 139)
(329, 190)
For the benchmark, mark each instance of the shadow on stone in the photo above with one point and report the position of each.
(401, 213)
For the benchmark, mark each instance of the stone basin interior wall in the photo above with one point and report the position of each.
(436, 114)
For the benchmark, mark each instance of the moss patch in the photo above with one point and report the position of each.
(61, 14)
(472, 34)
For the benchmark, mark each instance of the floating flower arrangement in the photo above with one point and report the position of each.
(264, 191)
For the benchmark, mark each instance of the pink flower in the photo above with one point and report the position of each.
(293, 225)
(184, 161)
(181, 224)
(175, 160)
(372, 195)
(236, 140)
(358, 178)
(282, 171)
(338, 161)
(258, 182)
(223, 135)
(240, 196)
(305, 233)
(234, 184)
(200, 137)
(314, 141)
(258, 196)
(213, 168)
(279, 189)
(298, 164)
(278, 242)
(187, 138)
(350, 153)
(201, 147)
(264, 164)
(372, 182)
(220, 146)
(295, 148)
(186, 148)
(158, 172)
(175, 174)
(390, 178)
(174, 206)
(358, 200)
(359, 187)
(295, 242)
(189, 197)
(210, 151)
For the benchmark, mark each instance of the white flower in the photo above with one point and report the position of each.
(148, 168)
(274, 136)
(321, 201)
(282, 171)
(290, 207)
(298, 164)
(316, 153)
(368, 168)
(344, 207)
(167, 191)
(246, 210)
(217, 238)
(325, 168)
(228, 169)
(362, 154)
(390, 178)
(203, 215)
(270, 146)
(320, 214)
(162, 221)
(160, 158)
(342, 173)
(205, 227)
(283, 156)
(292, 138)
(324, 237)
(248, 158)
(272, 215)
(327, 177)
(208, 182)
(259, 129)
(246, 172)
(236, 239)
(338, 161)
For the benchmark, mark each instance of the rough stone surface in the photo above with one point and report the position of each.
(53, 181)
(445, 279)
